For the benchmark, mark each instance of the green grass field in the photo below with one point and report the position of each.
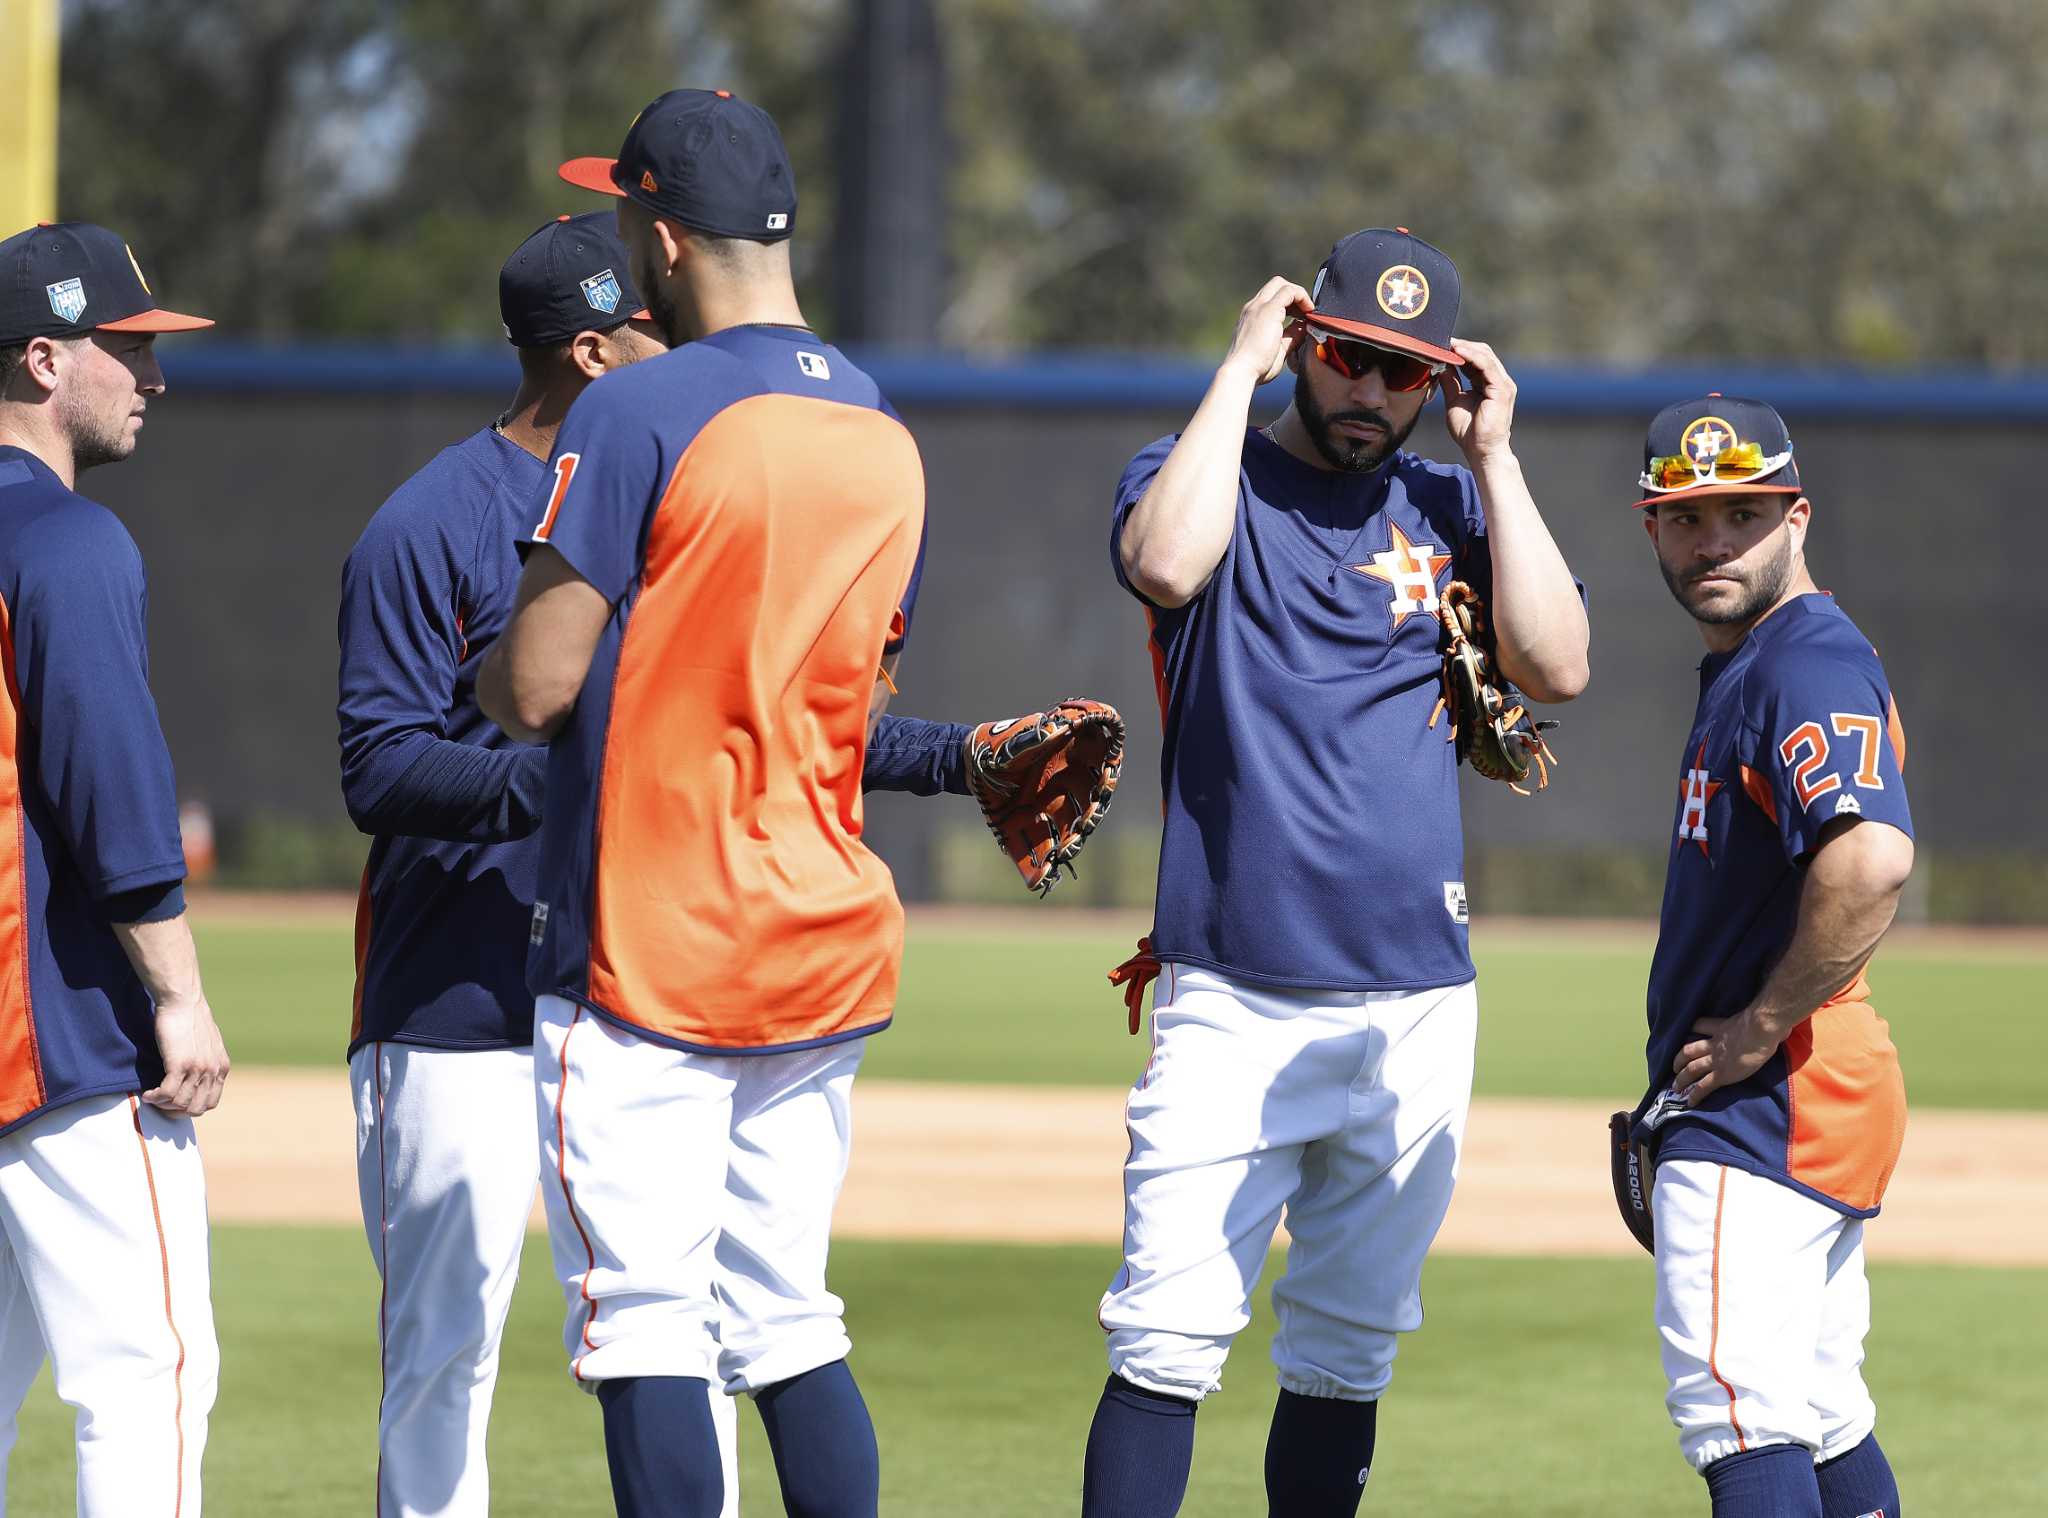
(1559, 1015)
(1533, 1389)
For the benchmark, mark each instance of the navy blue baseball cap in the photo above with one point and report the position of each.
(1717, 445)
(706, 159)
(1388, 287)
(572, 275)
(68, 278)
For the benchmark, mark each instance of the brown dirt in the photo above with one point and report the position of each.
(1032, 1164)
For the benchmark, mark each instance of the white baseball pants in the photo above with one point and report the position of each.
(1762, 1307)
(103, 1266)
(1344, 1109)
(447, 1160)
(690, 1200)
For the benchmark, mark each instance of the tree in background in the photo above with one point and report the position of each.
(1620, 181)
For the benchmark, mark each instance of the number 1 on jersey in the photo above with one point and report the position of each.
(565, 471)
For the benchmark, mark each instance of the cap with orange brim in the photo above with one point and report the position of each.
(1388, 287)
(64, 279)
(705, 159)
(1716, 445)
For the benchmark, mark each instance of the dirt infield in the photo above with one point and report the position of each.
(1034, 1164)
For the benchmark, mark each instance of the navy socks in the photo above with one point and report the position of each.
(1140, 1448)
(824, 1444)
(1318, 1455)
(1859, 1484)
(662, 1447)
(1773, 1482)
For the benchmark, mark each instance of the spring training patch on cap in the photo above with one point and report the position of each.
(67, 299)
(1706, 439)
(1403, 292)
(602, 291)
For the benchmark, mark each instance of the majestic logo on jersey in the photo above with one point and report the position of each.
(1848, 805)
(67, 299)
(1403, 292)
(1705, 440)
(602, 291)
(1412, 569)
(1697, 792)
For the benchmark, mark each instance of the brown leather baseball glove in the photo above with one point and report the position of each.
(1045, 782)
(1490, 721)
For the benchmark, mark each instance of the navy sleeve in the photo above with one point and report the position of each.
(923, 758)
(1828, 745)
(154, 903)
(401, 647)
(899, 626)
(604, 478)
(89, 719)
(1137, 479)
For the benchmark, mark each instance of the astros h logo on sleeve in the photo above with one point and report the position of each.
(1697, 789)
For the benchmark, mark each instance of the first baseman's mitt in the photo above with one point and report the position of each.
(1490, 722)
(1630, 1163)
(1045, 782)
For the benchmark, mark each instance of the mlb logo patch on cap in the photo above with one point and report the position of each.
(67, 299)
(602, 291)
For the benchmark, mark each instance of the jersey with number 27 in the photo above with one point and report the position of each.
(754, 512)
(1796, 728)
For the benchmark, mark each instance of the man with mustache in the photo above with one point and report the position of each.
(108, 1047)
(1776, 1109)
(1313, 1032)
(441, 1043)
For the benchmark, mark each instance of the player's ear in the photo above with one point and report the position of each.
(1649, 516)
(588, 354)
(1797, 517)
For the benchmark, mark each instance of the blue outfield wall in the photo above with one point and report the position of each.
(1142, 382)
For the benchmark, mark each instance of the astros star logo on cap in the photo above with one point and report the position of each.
(1403, 292)
(1706, 439)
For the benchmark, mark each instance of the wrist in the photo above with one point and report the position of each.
(1240, 370)
(1494, 458)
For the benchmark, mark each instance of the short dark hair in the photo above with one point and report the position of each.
(11, 355)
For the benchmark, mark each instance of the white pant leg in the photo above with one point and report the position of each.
(447, 1159)
(634, 1140)
(1742, 1278)
(104, 1203)
(1372, 1198)
(21, 1354)
(792, 1133)
(1239, 1081)
(1841, 1402)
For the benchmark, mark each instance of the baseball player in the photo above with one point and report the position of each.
(1314, 1018)
(440, 1051)
(720, 581)
(1775, 1110)
(108, 1048)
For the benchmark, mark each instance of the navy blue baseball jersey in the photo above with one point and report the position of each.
(1312, 833)
(1796, 727)
(88, 807)
(454, 805)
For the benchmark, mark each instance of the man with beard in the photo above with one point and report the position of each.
(1776, 1109)
(1314, 1025)
(108, 1048)
(441, 1046)
(718, 586)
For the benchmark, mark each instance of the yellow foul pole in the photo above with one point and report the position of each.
(28, 113)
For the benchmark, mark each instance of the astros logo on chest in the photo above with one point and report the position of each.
(1696, 791)
(1411, 569)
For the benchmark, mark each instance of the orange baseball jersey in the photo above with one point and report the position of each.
(754, 511)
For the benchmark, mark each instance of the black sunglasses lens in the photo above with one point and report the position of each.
(1398, 371)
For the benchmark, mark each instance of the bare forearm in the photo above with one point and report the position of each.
(1175, 536)
(165, 959)
(1846, 904)
(1538, 618)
